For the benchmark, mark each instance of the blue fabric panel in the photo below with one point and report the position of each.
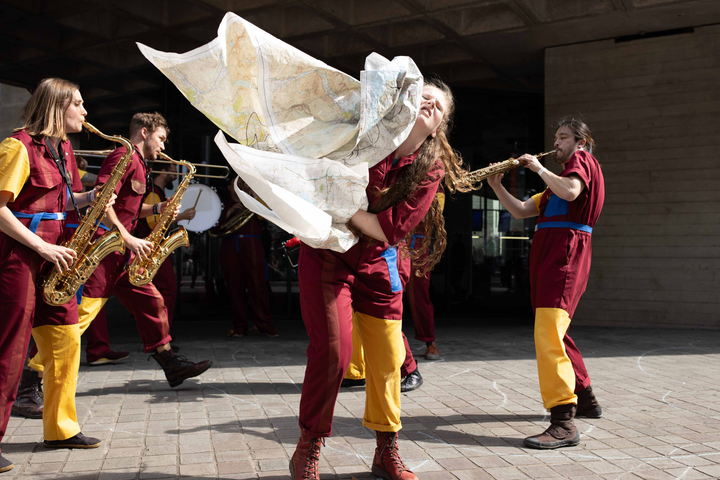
(573, 225)
(412, 244)
(556, 206)
(390, 256)
(79, 293)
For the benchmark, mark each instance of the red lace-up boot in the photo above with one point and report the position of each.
(387, 463)
(305, 462)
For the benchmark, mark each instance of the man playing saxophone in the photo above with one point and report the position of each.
(559, 268)
(148, 132)
(98, 349)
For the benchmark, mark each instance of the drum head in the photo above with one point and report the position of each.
(208, 208)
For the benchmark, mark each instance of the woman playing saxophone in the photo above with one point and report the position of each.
(38, 172)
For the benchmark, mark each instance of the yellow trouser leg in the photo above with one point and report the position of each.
(87, 311)
(384, 355)
(555, 371)
(61, 361)
(356, 369)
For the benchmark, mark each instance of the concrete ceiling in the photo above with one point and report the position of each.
(490, 44)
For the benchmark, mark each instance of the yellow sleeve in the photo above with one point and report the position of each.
(152, 199)
(536, 199)
(14, 166)
(441, 200)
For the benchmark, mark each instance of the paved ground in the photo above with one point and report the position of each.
(659, 390)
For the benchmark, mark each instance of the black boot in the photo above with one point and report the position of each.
(412, 381)
(29, 400)
(588, 405)
(352, 382)
(178, 368)
(77, 441)
(562, 431)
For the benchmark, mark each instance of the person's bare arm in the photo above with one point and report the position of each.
(368, 224)
(84, 199)
(516, 207)
(568, 188)
(62, 257)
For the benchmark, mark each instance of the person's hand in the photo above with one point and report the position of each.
(61, 257)
(188, 214)
(140, 247)
(530, 162)
(494, 181)
(163, 206)
(111, 202)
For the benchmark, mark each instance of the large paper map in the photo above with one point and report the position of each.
(307, 132)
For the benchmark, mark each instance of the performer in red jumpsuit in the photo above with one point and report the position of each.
(244, 267)
(366, 281)
(97, 350)
(147, 133)
(559, 268)
(421, 308)
(37, 173)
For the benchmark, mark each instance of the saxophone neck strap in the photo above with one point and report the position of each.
(60, 162)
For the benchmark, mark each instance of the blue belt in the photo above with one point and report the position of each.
(237, 241)
(75, 225)
(36, 217)
(573, 225)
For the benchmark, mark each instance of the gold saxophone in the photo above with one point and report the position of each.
(233, 224)
(478, 176)
(58, 288)
(141, 271)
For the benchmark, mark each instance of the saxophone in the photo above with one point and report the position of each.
(233, 224)
(502, 167)
(141, 271)
(58, 288)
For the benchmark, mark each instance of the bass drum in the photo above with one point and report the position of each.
(208, 208)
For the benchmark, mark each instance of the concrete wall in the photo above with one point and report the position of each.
(12, 100)
(654, 109)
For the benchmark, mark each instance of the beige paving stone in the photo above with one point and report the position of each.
(236, 467)
(195, 458)
(83, 466)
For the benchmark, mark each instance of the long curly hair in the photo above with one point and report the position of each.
(433, 150)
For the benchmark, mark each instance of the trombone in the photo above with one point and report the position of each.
(165, 159)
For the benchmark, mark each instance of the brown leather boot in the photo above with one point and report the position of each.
(29, 400)
(305, 462)
(387, 463)
(588, 405)
(562, 431)
(178, 368)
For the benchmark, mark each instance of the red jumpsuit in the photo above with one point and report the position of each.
(366, 279)
(97, 336)
(244, 267)
(559, 269)
(145, 303)
(43, 190)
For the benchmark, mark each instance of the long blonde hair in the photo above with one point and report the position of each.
(433, 149)
(44, 113)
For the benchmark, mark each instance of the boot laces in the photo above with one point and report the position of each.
(37, 394)
(182, 359)
(312, 463)
(394, 453)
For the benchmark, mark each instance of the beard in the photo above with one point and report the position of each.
(561, 157)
